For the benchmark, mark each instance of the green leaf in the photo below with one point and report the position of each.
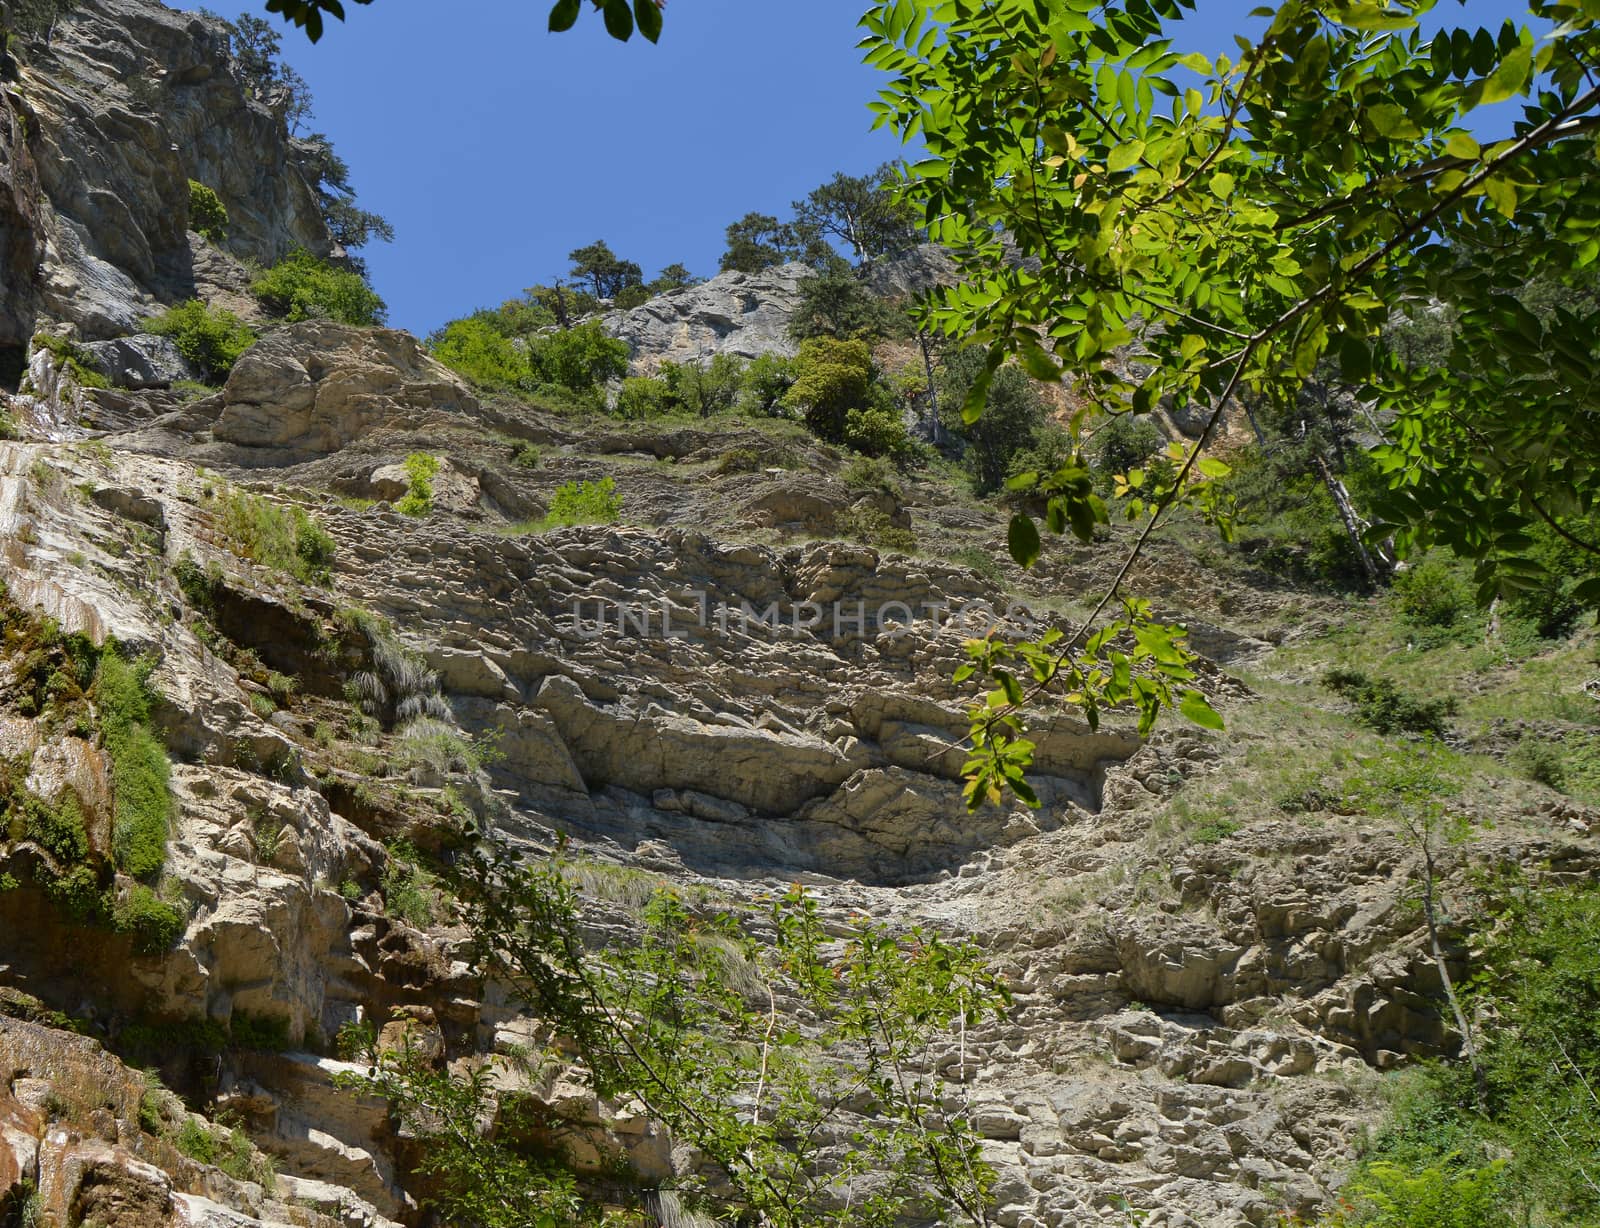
(1502, 195)
(1222, 185)
(1509, 78)
(977, 397)
(1124, 156)
(648, 16)
(1390, 121)
(1461, 145)
(1022, 539)
(564, 14)
(619, 20)
(1195, 707)
(1355, 359)
(1039, 364)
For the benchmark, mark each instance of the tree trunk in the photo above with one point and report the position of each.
(1353, 524)
(933, 391)
(1479, 1082)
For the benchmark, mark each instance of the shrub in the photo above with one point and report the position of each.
(584, 503)
(154, 924)
(1382, 706)
(476, 351)
(284, 537)
(645, 397)
(57, 829)
(410, 891)
(1539, 760)
(1125, 442)
(8, 426)
(142, 798)
(196, 1141)
(211, 338)
(831, 378)
(705, 390)
(1433, 593)
(766, 379)
(208, 216)
(869, 524)
(870, 473)
(301, 287)
(578, 358)
(421, 469)
(876, 431)
(525, 454)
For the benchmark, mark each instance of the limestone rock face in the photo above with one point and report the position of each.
(142, 361)
(742, 314)
(128, 102)
(314, 387)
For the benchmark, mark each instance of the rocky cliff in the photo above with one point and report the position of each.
(1213, 951)
(109, 119)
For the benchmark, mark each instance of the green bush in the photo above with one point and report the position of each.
(477, 352)
(1539, 760)
(1125, 442)
(211, 338)
(57, 829)
(1386, 1195)
(142, 797)
(876, 431)
(645, 397)
(1383, 707)
(578, 359)
(196, 1141)
(705, 390)
(1434, 593)
(831, 378)
(767, 378)
(154, 924)
(410, 890)
(283, 537)
(208, 216)
(870, 473)
(301, 287)
(577, 503)
(421, 469)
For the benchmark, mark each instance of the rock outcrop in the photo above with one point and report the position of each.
(127, 102)
(742, 314)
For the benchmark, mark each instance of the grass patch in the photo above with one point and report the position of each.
(142, 808)
(576, 503)
(73, 360)
(281, 537)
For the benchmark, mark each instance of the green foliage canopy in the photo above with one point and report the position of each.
(1241, 217)
(301, 287)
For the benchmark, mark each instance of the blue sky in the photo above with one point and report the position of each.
(496, 148)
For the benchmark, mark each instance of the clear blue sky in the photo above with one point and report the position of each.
(496, 148)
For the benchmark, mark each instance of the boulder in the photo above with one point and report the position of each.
(314, 387)
(142, 361)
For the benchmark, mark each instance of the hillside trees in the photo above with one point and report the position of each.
(760, 241)
(607, 274)
(1238, 219)
(737, 1043)
(863, 212)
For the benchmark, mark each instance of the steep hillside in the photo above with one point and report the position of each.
(275, 654)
